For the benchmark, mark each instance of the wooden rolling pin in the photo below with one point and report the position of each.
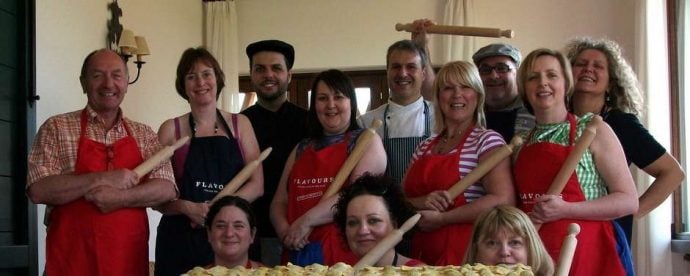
(386, 244)
(361, 145)
(565, 259)
(570, 164)
(484, 167)
(458, 30)
(242, 176)
(162, 155)
(568, 167)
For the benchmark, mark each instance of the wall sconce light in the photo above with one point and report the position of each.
(123, 40)
(131, 45)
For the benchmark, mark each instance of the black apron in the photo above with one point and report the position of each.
(211, 162)
(399, 150)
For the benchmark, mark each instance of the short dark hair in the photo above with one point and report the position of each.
(272, 45)
(225, 201)
(338, 81)
(407, 45)
(191, 56)
(399, 209)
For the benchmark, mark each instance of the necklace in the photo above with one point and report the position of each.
(192, 124)
(445, 145)
(215, 128)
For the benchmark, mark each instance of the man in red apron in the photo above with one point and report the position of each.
(81, 164)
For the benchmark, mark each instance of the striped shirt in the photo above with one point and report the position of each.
(478, 142)
(54, 149)
(591, 183)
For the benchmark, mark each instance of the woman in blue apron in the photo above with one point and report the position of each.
(220, 146)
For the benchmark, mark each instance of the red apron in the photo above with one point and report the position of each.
(534, 170)
(82, 240)
(310, 177)
(447, 244)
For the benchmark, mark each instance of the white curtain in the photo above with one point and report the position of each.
(220, 38)
(651, 235)
(456, 47)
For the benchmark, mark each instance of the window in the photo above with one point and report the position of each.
(679, 32)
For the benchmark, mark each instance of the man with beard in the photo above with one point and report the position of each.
(505, 113)
(278, 124)
(407, 117)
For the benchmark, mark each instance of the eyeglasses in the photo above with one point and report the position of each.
(500, 68)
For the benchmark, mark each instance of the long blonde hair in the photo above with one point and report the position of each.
(511, 219)
(463, 73)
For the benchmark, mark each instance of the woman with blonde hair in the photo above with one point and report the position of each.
(443, 159)
(506, 235)
(600, 190)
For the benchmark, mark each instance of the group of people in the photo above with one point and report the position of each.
(437, 127)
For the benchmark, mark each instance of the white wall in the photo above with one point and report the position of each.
(329, 33)
(551, 23)
(356, 33)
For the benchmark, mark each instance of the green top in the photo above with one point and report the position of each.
(592, 184)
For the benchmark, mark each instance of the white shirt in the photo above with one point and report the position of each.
(402, 121)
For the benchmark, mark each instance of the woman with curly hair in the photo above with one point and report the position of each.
(367, 211)
(606, 85)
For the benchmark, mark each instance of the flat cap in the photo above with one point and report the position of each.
(497, 49)
(273, 46)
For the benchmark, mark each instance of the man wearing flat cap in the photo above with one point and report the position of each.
(278, 124)
(505, 113)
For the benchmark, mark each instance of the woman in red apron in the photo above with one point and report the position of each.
(221, 143)
(599, 191)
(442, 160)
(303, 222)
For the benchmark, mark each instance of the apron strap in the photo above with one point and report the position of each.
(236, 128)
(427, 121)
(573, 129)
(84, 122)
(177, 128)
(385, 122)
(225, 124)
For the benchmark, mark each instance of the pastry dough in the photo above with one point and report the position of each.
(341, 269)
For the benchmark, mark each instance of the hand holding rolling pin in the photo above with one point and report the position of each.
(551, 206)
(125, 179)
(419, 33)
